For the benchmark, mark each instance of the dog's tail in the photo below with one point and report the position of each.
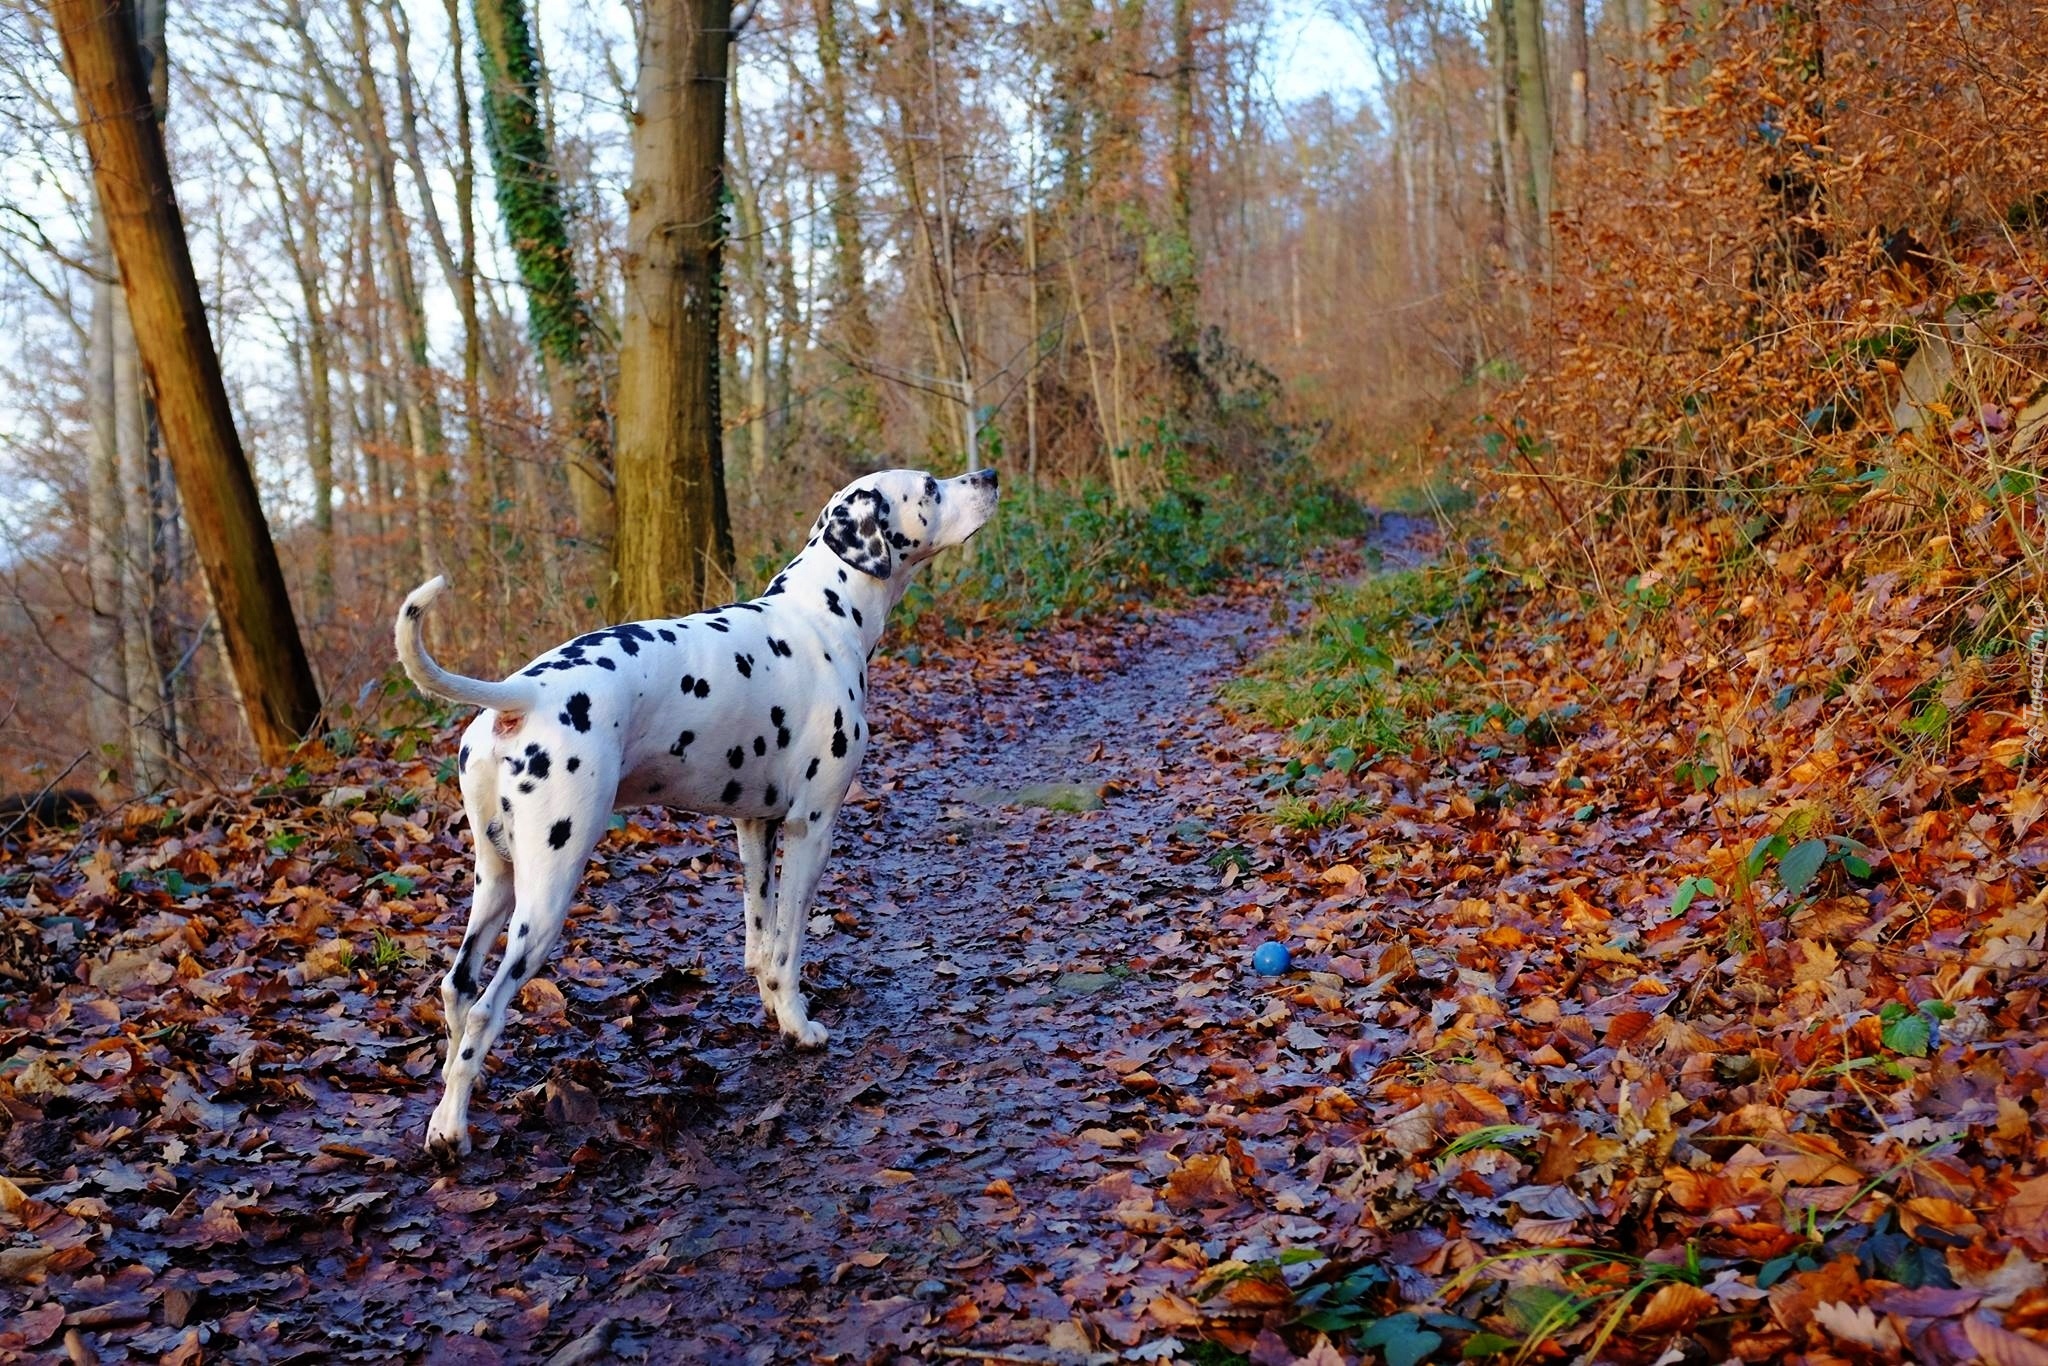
(514, 695)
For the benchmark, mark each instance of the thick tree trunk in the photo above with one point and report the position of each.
(132, 176)
(558, 317)
(673, 549)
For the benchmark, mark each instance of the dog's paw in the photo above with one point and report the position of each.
(447, 1135)
(447, 1148)
(809, 1034)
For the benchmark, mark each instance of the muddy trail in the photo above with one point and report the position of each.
(1031, 946)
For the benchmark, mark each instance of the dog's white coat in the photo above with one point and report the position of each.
(755, 710)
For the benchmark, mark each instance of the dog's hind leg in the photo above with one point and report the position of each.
(489, 908)
(758, 840)
(806, 846)
(548, 880)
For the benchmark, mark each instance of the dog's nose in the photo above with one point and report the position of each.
(986, 476)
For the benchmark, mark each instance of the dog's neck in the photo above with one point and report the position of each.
(818, 577)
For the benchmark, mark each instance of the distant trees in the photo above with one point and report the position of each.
(1083, 238)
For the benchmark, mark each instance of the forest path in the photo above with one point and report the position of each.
(1052, 1095)
(932, 1177)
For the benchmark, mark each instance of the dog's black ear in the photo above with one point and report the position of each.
(857, 530)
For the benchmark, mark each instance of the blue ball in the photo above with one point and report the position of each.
(1271, 958)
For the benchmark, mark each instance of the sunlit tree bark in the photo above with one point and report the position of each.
(673, 549)
(133, 182)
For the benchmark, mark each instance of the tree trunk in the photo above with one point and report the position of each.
(753, 272)
(1532, 107)
(1508, 183)
(1177, 275)
(558, 317)
(853, 322)
(107, 706)
(673, 550)
(132, 176)
(480, 461)
(1576, 70)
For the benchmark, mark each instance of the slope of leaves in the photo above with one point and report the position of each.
(1709, 938)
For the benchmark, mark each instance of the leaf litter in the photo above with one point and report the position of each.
(1506, 1101)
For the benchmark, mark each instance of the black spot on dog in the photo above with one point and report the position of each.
(781, 582)
(518, 765)
(578, 712)
(505, 804)
(838, 719)
(682, 743)
(736, 756)
(770, 795)
(779, 647)
(526, 787)
(668, 637)
(468, 1053)
(839, 744)
(842, 576)
(558, 833)
(856, 730)
(812, 771)
(832, 601)
(731, 793)
(519, 968)
(760, 745)
(573, 764)
(523, 930)
(689, 682)
(816, 814)
(717, 625)
(412, 611)
(779, 719)
(828, 656)
(462, 759)
(465, 985)
(856, 615)
(703, 688)
(744, 663)
(750, 607)
(606, 663)
(537, 762)
(764, 892)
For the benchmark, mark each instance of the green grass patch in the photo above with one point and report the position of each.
(1052, 552)
(1302, 814)
(1346, 687)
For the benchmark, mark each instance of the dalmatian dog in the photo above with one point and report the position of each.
(755, 710)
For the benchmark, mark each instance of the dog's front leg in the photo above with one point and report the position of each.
(806, 844)
(758, 839)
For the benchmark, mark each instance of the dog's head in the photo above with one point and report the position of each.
(888, 523)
